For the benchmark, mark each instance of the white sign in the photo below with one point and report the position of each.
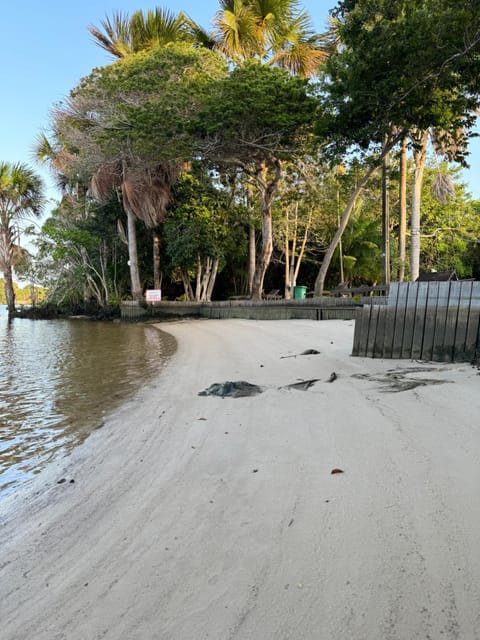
(154, 295)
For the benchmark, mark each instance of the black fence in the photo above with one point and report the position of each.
(326, 308)
(422, 320)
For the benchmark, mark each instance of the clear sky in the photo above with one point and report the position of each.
(45, 48)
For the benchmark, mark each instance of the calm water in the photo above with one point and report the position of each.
(58, 378)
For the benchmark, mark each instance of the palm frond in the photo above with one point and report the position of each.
(106, 181)
(21, 193)
(156, 28)
(330, 41)
(300, 59)
(273, 31)
(235, 33)
(147, 193)
(283, 10)
(197, 34)
(43, 149)
(452, 145)
(296, 28)
(443, 188)
(114, 34)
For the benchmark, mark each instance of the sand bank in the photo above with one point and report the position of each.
(197, 517)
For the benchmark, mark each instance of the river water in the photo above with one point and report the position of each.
(58, 379)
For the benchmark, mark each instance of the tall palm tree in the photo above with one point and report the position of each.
(21, 196)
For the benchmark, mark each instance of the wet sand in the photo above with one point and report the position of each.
(192, 517)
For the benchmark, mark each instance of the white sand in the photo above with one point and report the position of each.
(168, 533)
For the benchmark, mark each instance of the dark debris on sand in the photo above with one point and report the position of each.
(232, 389)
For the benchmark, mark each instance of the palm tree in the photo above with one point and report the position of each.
(145, 193)
(122, 35)
(274, 32)
(21, 196)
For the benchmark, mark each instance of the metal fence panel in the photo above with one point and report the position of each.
(422, 320)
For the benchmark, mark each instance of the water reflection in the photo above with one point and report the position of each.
(57, 378)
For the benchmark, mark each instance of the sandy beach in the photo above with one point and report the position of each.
(192, 517)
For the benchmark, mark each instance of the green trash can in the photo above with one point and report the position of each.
(300, 293)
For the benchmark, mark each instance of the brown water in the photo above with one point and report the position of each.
(58, 379)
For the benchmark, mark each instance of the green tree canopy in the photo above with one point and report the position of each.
(138, 109)
(255, 114)
(255, 118)
(404, 64)
(126, 130)
(201, 231)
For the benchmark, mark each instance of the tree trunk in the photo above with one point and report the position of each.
(293, 271)
(6, 259)
(322, 274)
(288, 278)
(267, 249)
(33, 295)
(267, 190)
(114, 263)
(87, 289)
(419, 158)
(187, 285)
(9, 290)
(385, 220)
(340, 248)
(103, 266)
(213, 277)
(136, 287)
(292, 260)
(402, 234)
(198, 283)
(207, 270)
(251, 257)
(302, 248)
(94, 291)
(157, 280)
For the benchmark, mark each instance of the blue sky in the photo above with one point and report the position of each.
(45, 49)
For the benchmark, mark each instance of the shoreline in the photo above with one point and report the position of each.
(49, 410)
(199, 517)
